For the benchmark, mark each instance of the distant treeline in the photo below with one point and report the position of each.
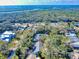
(7, 19)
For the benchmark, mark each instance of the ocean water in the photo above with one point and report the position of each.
(33, 7)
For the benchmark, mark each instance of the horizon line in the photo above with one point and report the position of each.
(40, 4)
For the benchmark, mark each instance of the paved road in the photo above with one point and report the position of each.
(36, 47)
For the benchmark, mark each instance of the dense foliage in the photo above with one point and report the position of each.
(54, 41)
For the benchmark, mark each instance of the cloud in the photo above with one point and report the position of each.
(8, 2)
(51, 1)
(37, 2)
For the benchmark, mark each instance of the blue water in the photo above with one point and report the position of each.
(32, 7)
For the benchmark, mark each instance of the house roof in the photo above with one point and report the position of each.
(76, 24)
(75, 45)
(74, 39)
(7, 36)
(38, 58)
(67, 20)
(8, 32)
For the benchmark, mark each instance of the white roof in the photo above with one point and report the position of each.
(70, 34)
(3, 36)
(8, 32)
(7, 40)
(76, 43)
(38, 58)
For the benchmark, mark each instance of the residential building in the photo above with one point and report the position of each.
(7, 36)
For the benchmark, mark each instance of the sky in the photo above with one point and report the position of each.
(39, 2)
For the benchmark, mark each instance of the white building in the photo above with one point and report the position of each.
(70, 34)
(7, 36)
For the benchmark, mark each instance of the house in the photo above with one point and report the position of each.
(31, 56)
(74, 39)
(54, 21)
(71, 30)
(67, 20)
(7, 36)
(76, 24)
(75, 45)
(61, 32)
(20, 28)
(70, 33)
(74, 55)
